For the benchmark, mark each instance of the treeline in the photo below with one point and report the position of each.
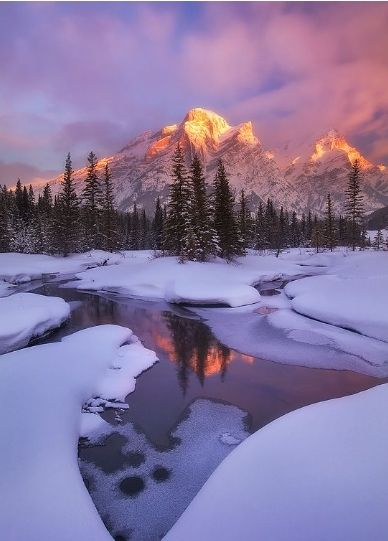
(198, 222)
(69, 223)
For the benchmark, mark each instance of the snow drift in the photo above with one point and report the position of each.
(42, 390)
(24, 316)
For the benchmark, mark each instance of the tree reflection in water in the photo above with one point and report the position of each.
(195, 350)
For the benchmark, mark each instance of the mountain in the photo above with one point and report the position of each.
(141, 170)
(324, 167)
(378, 219)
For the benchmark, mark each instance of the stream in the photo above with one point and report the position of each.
(187, 413)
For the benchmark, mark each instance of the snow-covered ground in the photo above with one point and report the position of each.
(212, 283)
(349, 298)
(18, 268)
(42, 391)
(24, 316)
(318, 473)
(5, 288)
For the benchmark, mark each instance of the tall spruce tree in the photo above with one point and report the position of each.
(178, 212)
(229, 243)
(354, 205)
(108, 214)
(202, 238)
(92, 197)
(378, 240)
(67, 213)
(260, 228)
(330, 231)
(245, 223)
(157, 227)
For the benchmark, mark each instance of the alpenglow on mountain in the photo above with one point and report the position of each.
(141, 170)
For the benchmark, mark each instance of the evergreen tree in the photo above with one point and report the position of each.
(92, 197)
(354, 204)
(144, 231)
(342, 230)
(157, 227)
(135, 229)
(224, 218)
(245, 222)
(330, 232)
(67, 218)
(202, 238)
(280, 232)
(108, 215)
(317, 236)
(309, 226)
(378, 240)
(4, 220)
(295, 234)
(178, 214)
(260, 228)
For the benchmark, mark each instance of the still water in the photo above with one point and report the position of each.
(193, 368)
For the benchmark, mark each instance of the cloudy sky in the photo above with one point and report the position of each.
(81, 76)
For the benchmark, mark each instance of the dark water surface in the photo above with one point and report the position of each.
(192, 364)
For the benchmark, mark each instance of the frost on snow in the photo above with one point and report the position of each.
(24, 316)
(165, 481)
(318, 473)
(42, 390)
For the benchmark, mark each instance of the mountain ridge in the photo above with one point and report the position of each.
(141, 169)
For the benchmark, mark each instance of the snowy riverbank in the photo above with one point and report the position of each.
(24, 316)
(213, 283)
(318, 473)
(42, 390)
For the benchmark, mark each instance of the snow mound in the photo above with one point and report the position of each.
(167, 479)
(5, 289)
(210, 283)
(358, 304)
(24, 316)
(20, 268)
(42, 389)
(318, 473)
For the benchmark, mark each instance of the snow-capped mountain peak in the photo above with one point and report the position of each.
(334, 141)
(299, 178)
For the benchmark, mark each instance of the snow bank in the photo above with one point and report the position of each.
(318, 473)
(353, 296)
(42, 390)
(193, 283)
(204, 437)
(5, 289)
(19, 268)
(24, 316)
(286, 337)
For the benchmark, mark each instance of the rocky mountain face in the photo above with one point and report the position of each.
(141, 170)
